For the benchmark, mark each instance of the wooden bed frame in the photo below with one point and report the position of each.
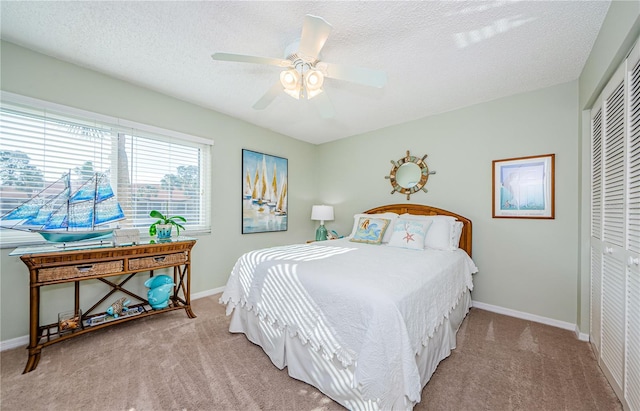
(419, 209)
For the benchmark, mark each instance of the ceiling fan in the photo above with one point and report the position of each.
(304, 73)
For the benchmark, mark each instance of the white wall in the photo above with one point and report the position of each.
(525, 265)
(35, 75)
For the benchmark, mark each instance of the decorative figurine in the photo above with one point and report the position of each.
(69, 320)
(70, 324)
(159, 290)
(118, 307)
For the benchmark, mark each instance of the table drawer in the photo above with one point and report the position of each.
(157, 261)
(80, 270)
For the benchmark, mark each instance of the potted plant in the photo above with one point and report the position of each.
(162, 227)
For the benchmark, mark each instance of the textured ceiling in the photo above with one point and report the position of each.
(438, 55)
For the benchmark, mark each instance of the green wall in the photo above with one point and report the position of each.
(35, 75)
(539, 267)
(524, 265)
(536, 267)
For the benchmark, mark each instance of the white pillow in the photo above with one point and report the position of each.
(408, 233)
(456, 232)
(387, 234)
(442, 232)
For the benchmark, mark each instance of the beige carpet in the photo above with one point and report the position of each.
(168, 362)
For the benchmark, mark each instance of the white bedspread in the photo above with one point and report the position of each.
(372, 306)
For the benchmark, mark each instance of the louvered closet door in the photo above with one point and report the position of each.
(615, 230)
(596, 228)
(632, 363)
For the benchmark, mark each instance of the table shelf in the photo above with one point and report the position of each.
(103, 263)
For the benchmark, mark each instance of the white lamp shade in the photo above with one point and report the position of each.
(313, 82)
(290, 79)
(322, 213)
(291, 82)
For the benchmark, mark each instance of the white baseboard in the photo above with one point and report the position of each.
(24, 340)
(207, 293)
(581, 336)
(532, 317)
(15, 343)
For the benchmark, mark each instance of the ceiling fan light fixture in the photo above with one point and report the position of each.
(312, 94)
(293, 93)
(290, 78)
(291, 81)
(303, 72)
(313, 82)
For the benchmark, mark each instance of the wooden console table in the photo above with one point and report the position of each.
(101, 263)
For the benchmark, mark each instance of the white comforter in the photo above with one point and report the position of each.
(371, 306)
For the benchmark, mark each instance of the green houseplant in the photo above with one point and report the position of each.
(162, 227)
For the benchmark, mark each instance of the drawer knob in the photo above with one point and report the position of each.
(160, 259)
(84, 268)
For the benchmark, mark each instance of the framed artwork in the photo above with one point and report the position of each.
(524, 187)
(264, 192)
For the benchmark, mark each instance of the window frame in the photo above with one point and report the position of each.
(119, 127)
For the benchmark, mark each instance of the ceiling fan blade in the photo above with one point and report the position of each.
(269, 96)
(315, 31)
(250, 59)
(324, 106)
(364, 76)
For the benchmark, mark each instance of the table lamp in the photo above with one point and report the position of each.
(321, 213)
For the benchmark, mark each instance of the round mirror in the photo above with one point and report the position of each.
(409, 174)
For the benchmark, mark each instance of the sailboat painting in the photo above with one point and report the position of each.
(264, 192)
(63, 213)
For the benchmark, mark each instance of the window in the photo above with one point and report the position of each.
(148, 168)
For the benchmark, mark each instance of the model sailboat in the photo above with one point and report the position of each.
(65, 215)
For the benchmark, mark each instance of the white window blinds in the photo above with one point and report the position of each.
(149, 168)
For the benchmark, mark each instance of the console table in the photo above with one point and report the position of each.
(102, 262)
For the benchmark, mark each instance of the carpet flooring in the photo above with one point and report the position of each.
(168, 362)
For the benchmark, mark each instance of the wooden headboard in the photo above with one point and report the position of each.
(419, 209)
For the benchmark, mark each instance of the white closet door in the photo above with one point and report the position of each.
(613, 231)
(632, 358)
(596, 228)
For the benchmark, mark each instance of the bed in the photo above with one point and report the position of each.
(365, 319)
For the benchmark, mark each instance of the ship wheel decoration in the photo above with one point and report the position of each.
(409, 175)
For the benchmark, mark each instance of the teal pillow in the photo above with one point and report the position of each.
(370, 230)
(409, 233)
